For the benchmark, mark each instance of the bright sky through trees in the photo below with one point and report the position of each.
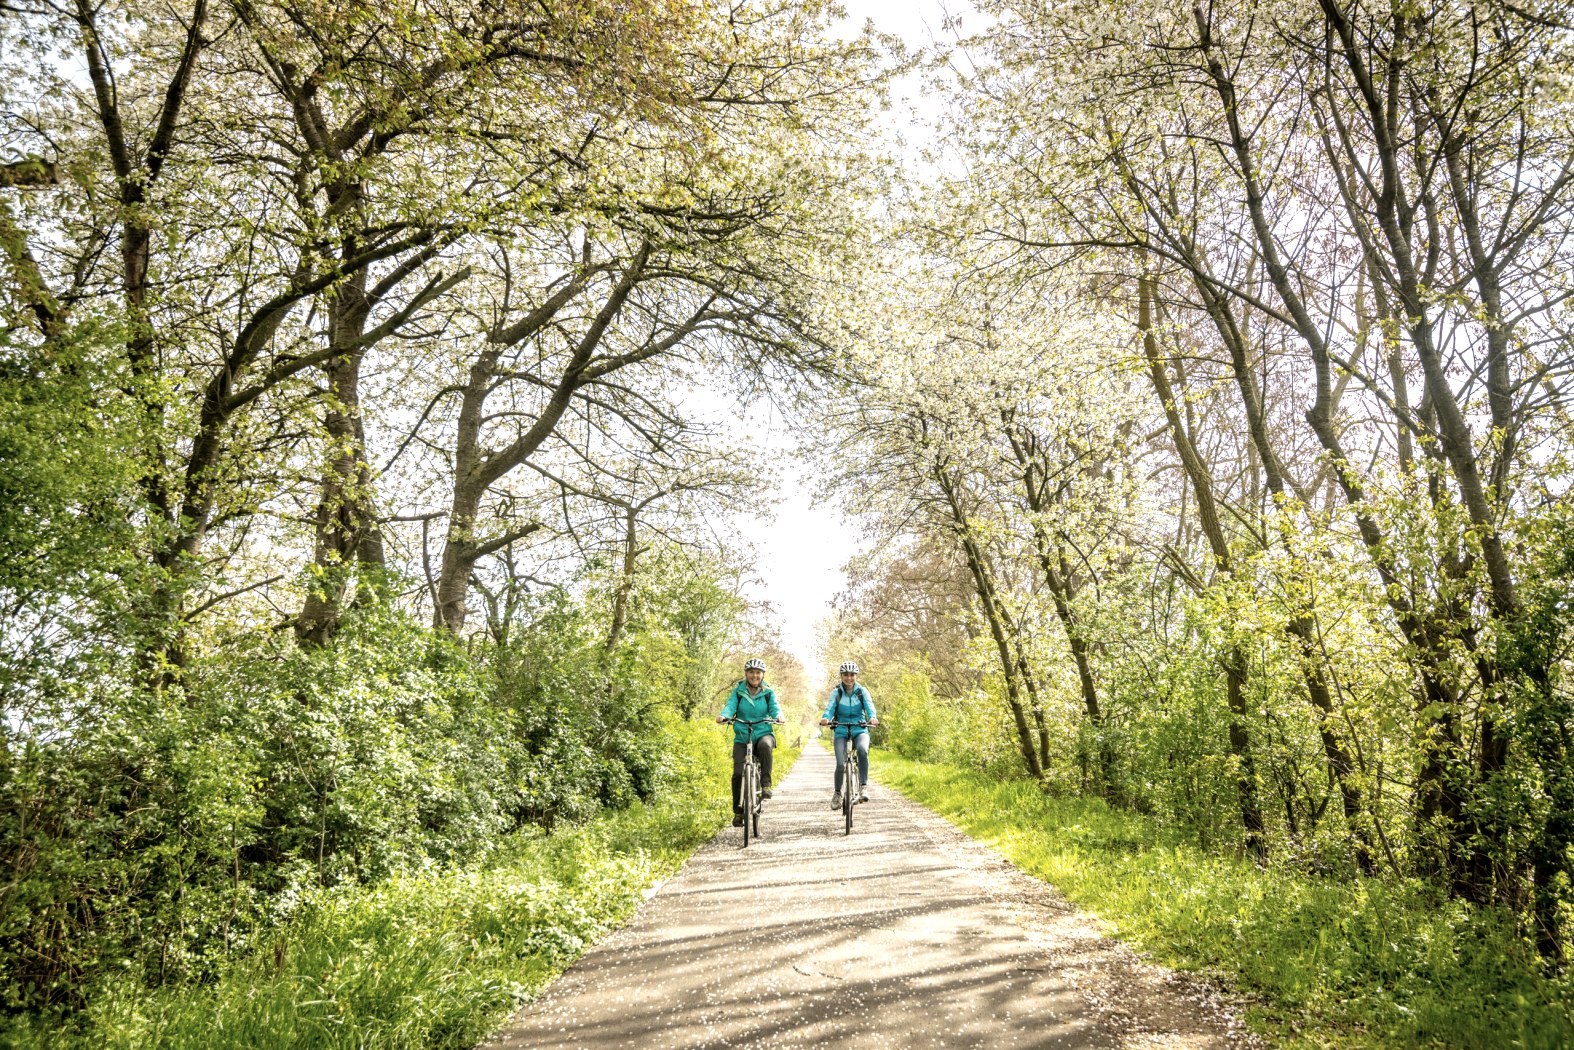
(803, 546)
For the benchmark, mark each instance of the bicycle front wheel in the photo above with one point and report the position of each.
(848, 781)
(749, 802)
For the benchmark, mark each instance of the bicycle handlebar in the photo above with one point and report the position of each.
(757, 721)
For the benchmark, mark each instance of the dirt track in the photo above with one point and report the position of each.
(906, 934)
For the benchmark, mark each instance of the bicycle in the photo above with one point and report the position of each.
(750, 790)
(849, 772)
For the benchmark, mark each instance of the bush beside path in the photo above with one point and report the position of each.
(422, 960)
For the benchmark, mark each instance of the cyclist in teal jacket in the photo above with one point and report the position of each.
(752, 701)
(850, 702)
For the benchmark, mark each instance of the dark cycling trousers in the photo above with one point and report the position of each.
(762, 755)
(861, 742)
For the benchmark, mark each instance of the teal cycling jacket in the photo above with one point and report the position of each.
(761, 705)
(857, 706)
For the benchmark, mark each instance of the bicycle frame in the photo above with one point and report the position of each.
(849, 789)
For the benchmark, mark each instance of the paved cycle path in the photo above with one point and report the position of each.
(905, 934)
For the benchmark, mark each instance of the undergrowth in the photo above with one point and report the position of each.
(1362, 963)
(433, 959)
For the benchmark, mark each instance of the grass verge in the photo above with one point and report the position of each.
(1363, 963)
(426, 960)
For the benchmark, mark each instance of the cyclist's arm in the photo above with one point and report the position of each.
(830, 708)
(869, 712)
(731, 708)
(773, 708)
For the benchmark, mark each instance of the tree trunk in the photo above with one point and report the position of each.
(453, 578)
(1062, 590)
(1235, 666)
(1235, 685)
(625, 585)
(346, 519)
(984, 584)
(161, 650)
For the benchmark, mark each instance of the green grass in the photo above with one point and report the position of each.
(430, 960)
(1349, 963)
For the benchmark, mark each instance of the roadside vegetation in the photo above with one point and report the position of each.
(1322, 962)
(441, 833)
(437, 958)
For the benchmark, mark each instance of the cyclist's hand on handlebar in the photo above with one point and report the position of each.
(874, 721)
(722, 720)
(825, 721)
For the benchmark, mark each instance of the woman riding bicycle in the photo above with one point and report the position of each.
(850, 702)
(752, 701)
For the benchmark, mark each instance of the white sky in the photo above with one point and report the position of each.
(801, 551)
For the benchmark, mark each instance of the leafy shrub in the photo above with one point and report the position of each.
(153, 835)
(430, 959)
(154, 831)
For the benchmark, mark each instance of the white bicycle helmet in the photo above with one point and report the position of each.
(849, 667)
(755, 664)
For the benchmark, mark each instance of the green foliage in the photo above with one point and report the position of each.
(911, 720)
(926, 727)
(435, 958)
(681, 621)
(119, 839)
(65, 539)
(1357, 962)
(585, 731)
(151, 836)
(154, 831)
(435, 955)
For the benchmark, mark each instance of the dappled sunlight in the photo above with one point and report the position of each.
(811, 937)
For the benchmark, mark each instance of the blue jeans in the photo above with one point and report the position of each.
(762, 755)
(862, 743)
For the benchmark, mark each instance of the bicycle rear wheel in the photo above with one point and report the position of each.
(748, 800)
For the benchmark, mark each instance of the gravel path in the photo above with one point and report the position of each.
(906, 934)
